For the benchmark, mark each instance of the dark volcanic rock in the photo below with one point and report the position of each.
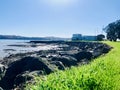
(20, 66)
(83, 55)
(22, 78)
(59, 64)
(106, 49)
(1, 88)
(29, 64)
(101, 49)
(66, 60)
(2, 70)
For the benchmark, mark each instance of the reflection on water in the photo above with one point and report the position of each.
(8, 47)
(5, 50)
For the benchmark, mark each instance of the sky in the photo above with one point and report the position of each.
(59, 18)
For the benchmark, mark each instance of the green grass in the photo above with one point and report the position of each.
(102, 73)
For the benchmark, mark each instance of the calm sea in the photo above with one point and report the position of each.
(6, 50)
(4, 46)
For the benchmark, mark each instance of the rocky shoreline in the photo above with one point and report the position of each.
(19, 68)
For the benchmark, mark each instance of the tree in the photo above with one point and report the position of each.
(113, 30)
(100, 37)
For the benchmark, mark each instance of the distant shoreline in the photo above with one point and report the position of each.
(15, 37)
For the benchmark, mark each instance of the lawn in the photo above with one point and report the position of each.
(102, 73)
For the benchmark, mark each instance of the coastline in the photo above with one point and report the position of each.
(56, 56)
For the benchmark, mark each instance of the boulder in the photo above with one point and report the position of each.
(66, 60)
(26, 77)
(106, 49)
(1, 88)
(96, 53)
(26, 64)
(83, 55)
(59, 64)
(2, 70)
(22, 78)
(101, 49)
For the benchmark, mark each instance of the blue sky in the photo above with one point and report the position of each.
(61, 18)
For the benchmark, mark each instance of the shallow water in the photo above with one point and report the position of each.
(6, 50)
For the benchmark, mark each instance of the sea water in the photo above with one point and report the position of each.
(8, 47)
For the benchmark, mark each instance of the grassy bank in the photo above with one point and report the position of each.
(101, 74)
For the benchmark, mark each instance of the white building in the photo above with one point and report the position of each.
(77, 37)
(87, 38)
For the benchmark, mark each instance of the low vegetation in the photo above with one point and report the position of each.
(102, 73)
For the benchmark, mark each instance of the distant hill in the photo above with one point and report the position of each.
(15, 37)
